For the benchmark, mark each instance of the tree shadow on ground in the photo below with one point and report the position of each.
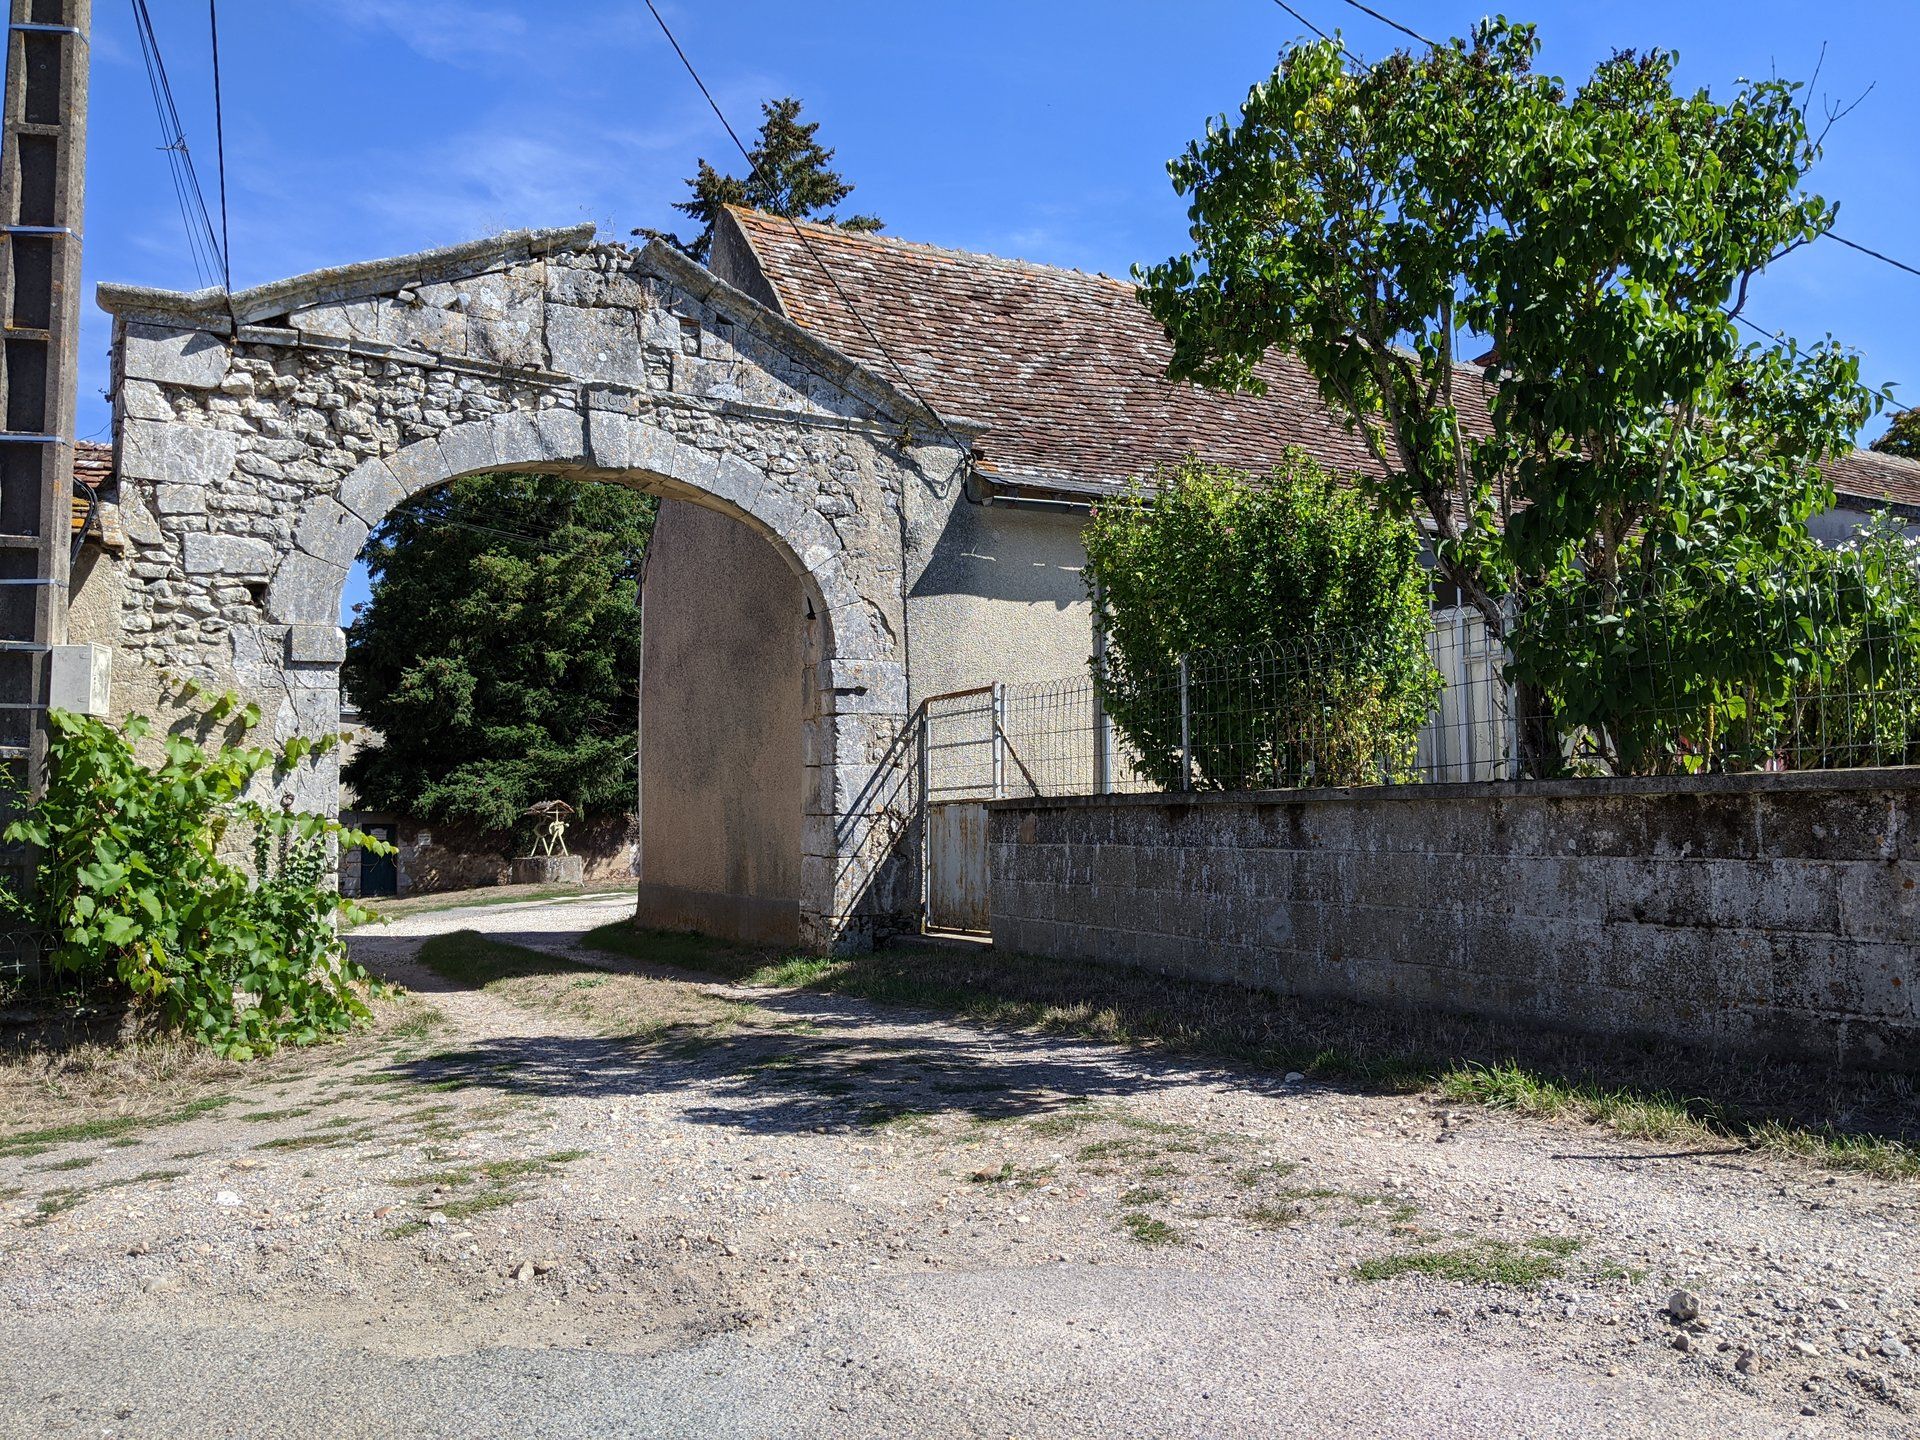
(1173, 1030)
(808, 1062)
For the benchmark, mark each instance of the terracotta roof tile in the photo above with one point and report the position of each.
(1068, 369)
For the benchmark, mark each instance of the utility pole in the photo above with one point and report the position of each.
(43, 148)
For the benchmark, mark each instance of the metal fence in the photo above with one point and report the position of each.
(1329, 712)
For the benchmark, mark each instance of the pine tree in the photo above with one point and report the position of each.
(790, 174)
(1903, 435)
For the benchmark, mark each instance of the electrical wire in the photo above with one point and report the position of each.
(202, 242)
(906, 380)
(220, 146)
(1411, 33)
(1883, 259)
(1394, 24)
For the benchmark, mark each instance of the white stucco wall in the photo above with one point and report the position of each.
(721, 707)
(998, 596)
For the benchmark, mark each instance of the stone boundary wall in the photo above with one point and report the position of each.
(1763, 914)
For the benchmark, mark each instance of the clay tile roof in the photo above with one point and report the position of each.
(92, 471)
(1068, 369)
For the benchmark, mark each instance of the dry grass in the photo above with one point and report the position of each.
(92, 1068)
(614, 1004)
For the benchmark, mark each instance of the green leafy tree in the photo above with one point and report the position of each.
(136, 887)
(498, 657)
(1902, 437)
(1302, 611)
(1623, 466)
(789, 173)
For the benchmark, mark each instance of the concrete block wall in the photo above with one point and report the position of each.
(1764, 914)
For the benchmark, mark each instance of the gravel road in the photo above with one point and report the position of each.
(603, 1203)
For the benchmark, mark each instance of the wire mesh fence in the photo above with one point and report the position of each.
(1825, 677)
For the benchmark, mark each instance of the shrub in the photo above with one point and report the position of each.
(1812, 667)
(135, 888)
(1302, 610)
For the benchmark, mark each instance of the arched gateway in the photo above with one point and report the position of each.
(260, 435)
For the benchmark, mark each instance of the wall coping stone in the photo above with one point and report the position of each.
(1786, 782)
(364, 278)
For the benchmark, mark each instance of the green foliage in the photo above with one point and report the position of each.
(135, 888)
(1816, 668)
(1621, 448)
(1304, 612)
(790, 174)
(498, 656)
(1902, 437)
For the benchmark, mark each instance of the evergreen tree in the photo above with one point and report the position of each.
(791, 175)
(1903, 436)
(498, 658)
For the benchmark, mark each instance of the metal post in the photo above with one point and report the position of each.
(1186, 729)
(1507, 612)
(1102, 722)
(926, 820)
(999, 740)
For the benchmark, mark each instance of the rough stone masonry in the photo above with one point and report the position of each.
(260, 435)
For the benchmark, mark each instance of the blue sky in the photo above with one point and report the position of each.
(359, 128)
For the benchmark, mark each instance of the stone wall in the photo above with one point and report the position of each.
(1770, 914)
(434, 858)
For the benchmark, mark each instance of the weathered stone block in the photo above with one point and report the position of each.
(180, 499)
(468, 448)
(596, 345)
(176, 453)
(332, 532)
(305, 590)
(240, 556)
(316, 645)
(370, 491)
(144, 400)
(189, 358)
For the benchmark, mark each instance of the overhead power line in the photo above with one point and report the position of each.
(220, 147)
(1864, 250)
(203, 243)
(1411, 33)
(1393, 24)
(906, 380)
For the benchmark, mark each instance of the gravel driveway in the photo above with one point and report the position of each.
(613, 1204)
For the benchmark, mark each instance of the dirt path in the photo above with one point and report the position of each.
(593, 1203)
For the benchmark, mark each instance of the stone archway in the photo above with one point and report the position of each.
(260, 435)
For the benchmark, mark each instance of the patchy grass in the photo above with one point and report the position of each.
(680, 1021)
(1268, 1215)
(1021, 1177)
(1147, 1230)
(1863, 1124)
(106, 1127)
(96, 1077)
(1484, 1262)
(1662, 1115)
(498, 1185)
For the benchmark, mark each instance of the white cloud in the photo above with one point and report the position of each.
(446, 31)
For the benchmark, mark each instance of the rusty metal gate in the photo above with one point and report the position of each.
(957, 866)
